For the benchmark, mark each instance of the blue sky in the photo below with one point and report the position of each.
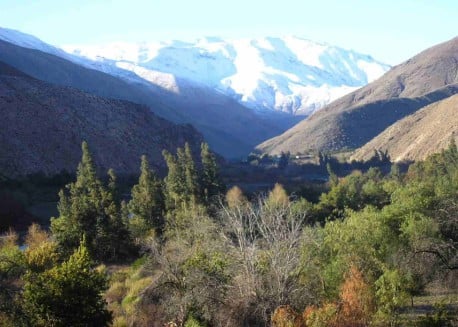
(389, 30)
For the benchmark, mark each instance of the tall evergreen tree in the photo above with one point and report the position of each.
(88, 209)
(182, 182)
(174, 182)
(147, 201)
(210, 182)
(191, 176)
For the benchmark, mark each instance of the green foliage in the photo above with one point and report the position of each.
(194, 269)
(69, 294)
(211, 184)
(441, 317)
(322, 317)
(12, 266)
(147, 203)
(193, 322)
(391, 294)
(352, 259)
(354, 191)
(90, 209)
(174, 183)
(185, 185)
(12, 260)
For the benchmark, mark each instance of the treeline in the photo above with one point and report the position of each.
(356, 257)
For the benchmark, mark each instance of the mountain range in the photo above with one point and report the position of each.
(288, 74)
(353, 120)
(236, 93)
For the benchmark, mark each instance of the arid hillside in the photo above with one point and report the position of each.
(417, 136)
(43, 125)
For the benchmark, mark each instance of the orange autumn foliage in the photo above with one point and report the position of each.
(354, 308)
(357, 301)
(285, 316)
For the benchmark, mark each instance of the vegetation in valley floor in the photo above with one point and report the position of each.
(374, 249)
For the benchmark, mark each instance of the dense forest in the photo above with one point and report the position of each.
(187, 251)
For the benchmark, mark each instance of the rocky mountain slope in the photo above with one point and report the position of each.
(287, 74)
(356, 118)
(415, 137)
(230, 128)
(43, 125)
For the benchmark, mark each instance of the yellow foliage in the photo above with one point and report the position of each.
(278, 195)
(324, 316)
(35, 236)
(120, 322)
(41, 256)
(9, 239)
(285, 316)
(235, 197)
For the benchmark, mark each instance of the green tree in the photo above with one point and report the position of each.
(69, 294)
(147, 203)
(12, 266)
(88, 208)
(174, 182)
(210, 182)
(191, 175)
(182, 189)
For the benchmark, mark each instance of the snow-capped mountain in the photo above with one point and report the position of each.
(288, 74)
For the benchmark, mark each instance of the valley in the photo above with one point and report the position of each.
(226, 182)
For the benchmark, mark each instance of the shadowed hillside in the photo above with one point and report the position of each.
(230, 128)
(43, 125)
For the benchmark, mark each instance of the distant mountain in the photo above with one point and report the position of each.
(208, 84)
(43, 125)
(289, 74)
(356, 118)
(417, 136)
(230, 128)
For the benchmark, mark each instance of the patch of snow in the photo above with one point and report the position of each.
(288, 74)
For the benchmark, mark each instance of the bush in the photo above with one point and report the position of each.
(285, 316)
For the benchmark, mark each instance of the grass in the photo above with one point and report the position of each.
(431, 310)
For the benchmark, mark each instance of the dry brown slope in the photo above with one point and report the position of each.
(42, 127)
(415, 137)
(330, 129)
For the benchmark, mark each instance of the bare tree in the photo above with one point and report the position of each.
(266, 237)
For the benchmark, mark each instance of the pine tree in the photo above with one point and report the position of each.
(191, 176)
(147, 201)
(118, 241)
(174, 183)
(181, 183)
(89, 209)
(210, 181)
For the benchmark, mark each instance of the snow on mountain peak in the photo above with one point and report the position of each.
(289, 74)
(29, 41)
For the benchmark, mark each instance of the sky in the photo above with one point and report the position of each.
(391, 30)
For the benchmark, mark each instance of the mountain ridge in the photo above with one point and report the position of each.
(43, 125)
(289, 74)
(427, 72)
(225, 130)
(415, 137)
